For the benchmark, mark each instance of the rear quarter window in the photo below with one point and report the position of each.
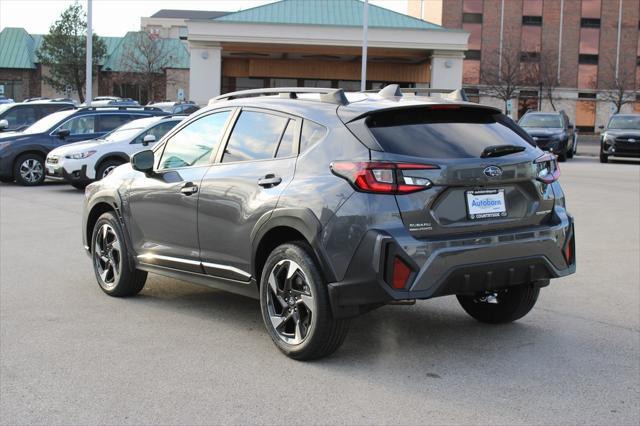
(444, 133)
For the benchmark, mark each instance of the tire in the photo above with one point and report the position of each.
(570, 151)
(80, 185)
(28, 170)
(110, 259)
(6, 179)
(513, 304)
(562, 157)
(296, 311)
(604, 158)
(107, 167)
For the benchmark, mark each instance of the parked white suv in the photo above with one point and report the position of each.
(83, 162)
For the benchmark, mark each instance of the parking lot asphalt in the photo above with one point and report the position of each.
(182, 354)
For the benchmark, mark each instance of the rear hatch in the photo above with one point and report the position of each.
(483, 174)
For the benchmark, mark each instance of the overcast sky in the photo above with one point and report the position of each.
(116, 17)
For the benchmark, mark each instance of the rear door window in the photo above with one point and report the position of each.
(108, 122)
(82, 125)
(443, 133)
(255, 136)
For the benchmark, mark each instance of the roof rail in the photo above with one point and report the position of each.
(333, 96)
(120, 107)
(394, 90)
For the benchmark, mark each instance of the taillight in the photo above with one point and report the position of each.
(547, 169)
(383, 178)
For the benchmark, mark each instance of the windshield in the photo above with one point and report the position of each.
(48, 122)
(549, 121)
(625, 122)
(4, 107)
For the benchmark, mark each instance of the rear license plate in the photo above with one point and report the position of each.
(486, 203)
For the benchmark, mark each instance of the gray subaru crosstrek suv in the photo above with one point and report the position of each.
(325, 205)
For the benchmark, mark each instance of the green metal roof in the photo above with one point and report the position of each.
(326, 12)
(17, 49)
(178, 53)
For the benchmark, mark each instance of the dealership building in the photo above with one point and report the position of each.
(311, 43)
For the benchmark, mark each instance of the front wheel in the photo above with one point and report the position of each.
(295, 304)
(503, 306)
(114, 272)
(29, 170)
(604, 158)
(106, 168)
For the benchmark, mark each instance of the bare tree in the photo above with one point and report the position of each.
(547, 74)
(619, 89)
(144, 60)
(503, 78)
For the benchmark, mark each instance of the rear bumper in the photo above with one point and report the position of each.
(460, 266)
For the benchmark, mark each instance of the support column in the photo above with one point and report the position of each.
(206, 72)
(446, 69)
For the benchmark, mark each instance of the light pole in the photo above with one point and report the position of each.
(365, 35)
(89, 59)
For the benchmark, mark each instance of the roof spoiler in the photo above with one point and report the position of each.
(392, 91)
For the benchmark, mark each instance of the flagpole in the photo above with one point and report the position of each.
(89, 59)
(365, 31)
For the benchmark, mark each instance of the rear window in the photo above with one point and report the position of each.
(443, 133)
(550, 121)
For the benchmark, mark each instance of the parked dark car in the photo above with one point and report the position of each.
(18, 116)
(551, 131)
(324, 209)
(186, 108)
(22, 154)
(621, 137)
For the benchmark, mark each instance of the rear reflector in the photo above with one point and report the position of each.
(383, 177)
(401, 273)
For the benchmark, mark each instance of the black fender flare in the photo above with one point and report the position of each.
(304, 221)
(117, 154)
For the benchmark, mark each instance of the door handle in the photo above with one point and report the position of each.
(269, 181)
(189, 188)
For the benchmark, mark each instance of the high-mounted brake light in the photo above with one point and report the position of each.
(383, 178)
(547, 169)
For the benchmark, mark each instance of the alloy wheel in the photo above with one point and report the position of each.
(31, 170)
(107, 171)
(107, 254)
(290, 302)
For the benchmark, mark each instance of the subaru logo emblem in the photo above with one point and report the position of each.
(631, 140)
(493, 171)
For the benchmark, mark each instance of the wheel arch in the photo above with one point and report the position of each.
(97, 210)
(118, 155)
(27, 151)
(283, 226)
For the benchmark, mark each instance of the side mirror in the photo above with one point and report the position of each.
(3, 124)
(148, 139)
(143, 161)
(601, 127)
(63, 133)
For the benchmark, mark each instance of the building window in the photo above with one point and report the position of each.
(589, 41)
(531, 39)
(590, 23)
(473, 94)
(475, 35)
(529, 57)
(588, 59)
(472, 6)
(472, 54)
(532, 20)
(591, 8)
(472, 18)
(587, 76)
(586, 95)
(471, 71)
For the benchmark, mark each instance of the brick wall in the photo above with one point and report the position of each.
(452, 14)
(28, 78)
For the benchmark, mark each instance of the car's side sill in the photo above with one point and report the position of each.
(249, 289)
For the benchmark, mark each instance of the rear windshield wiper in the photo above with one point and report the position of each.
(500, 150)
